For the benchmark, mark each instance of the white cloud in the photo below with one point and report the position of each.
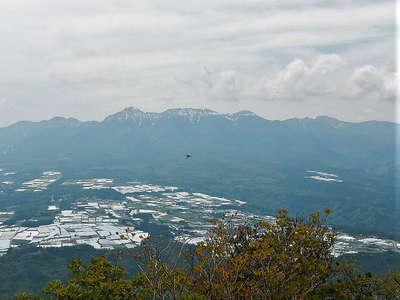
(87, 58)
(300, 81)
(369, 81)
(225, 85)
(326, 64)
(354, 17)
(106, 24)
(330, 77)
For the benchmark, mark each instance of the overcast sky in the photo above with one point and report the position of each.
(278, 58)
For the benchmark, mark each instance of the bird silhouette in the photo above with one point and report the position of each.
(188, 156)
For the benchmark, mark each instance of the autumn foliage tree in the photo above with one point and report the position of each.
(288, 258)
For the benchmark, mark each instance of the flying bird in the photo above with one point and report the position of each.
(188, 156)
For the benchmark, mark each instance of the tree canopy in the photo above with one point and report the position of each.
(288, 258)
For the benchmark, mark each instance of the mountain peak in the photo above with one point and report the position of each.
(131, 109)
(63, 119)
(188, 110)
(193, 114)
(331, 121)
(130, 113)
(326, 118)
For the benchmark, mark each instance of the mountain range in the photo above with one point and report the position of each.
(268, 163)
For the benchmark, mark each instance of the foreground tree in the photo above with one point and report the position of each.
(348, 283)
(289, 258)
(98, 280)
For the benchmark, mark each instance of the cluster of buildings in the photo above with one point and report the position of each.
(185, 214)
(4, 173)
(347, 244)
(98, 222)
(323, 176)
(40, 184)
(89, 223)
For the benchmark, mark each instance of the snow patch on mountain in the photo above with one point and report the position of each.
(194, 115)
(132, 114)
(240, 114)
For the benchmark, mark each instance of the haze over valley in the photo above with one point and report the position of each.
(239, 162)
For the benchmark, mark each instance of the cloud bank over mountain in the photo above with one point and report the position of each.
(278, 58)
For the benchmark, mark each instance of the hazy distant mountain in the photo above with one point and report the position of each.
(132, 133)
(241, 155)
